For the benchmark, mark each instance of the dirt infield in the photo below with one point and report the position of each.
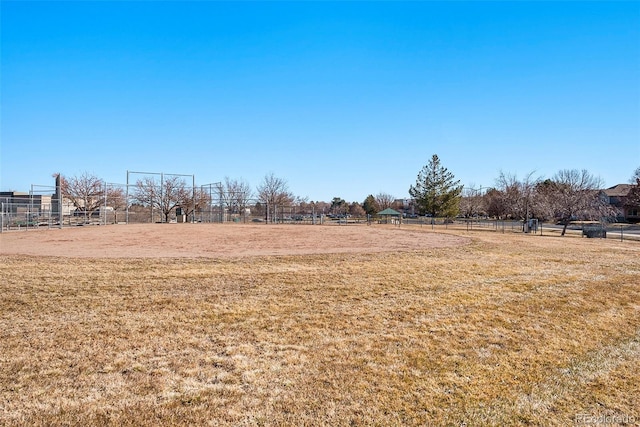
(217, 241)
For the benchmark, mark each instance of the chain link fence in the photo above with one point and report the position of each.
(41, 209)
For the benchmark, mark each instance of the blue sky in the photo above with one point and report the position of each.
(339, 98)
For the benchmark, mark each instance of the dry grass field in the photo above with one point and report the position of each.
(448, 328)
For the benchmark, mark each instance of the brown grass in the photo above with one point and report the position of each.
(507, 330)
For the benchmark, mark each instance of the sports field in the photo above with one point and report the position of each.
(198, 324)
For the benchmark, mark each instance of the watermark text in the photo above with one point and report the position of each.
(605, 419)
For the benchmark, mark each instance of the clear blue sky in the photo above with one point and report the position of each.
(339, 98)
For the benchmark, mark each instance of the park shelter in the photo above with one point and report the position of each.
(390, 214)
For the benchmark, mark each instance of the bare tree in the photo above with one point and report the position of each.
(193, 201)
(273, 192)
(316, 208)
(494, 203)
(356, 210)
(301, 200)
(147, 193)
(165, 196)
(518, 195)
(575, 195)
(545, 199)
(86, 192)
(236, 194)
(472, 202)
(116, 199)
(384, 200)
(306, 207)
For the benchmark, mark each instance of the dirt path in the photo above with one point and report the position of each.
(217, 240)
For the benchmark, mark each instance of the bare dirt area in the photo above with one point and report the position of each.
(218, 241)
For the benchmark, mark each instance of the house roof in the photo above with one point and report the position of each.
(389, 211)
(619, 190)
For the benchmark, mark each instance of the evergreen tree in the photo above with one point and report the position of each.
(436, 191)
(369, 205)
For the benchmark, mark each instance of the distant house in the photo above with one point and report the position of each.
(14, 202)
(618, 198)
(18, 202)
(407, 207)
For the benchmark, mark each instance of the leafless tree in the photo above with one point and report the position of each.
(518, 195)
(86, 192)
(494, 203)
(322, 207)
(384, 200)
(165, 196)
(356, 210)
(274, 192)
(545, 199)
(147, 193)
(472, 202)
(316, 208)
(236, 194)
(300, 201)
(575, 195)
(116, 199)
(194, 200)
(306, 207)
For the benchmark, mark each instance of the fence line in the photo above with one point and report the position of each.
(35, 214)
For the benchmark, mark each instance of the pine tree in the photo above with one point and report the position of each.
(369, 205)
(436, 191)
